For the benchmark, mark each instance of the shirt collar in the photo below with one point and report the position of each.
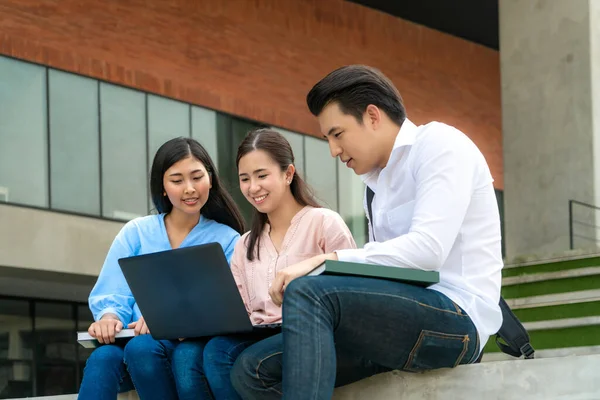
(405, 137)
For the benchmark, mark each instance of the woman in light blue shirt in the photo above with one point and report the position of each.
(194, 208)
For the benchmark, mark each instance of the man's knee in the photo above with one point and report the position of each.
(304, 287)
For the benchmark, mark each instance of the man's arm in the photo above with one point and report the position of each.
(444, 169)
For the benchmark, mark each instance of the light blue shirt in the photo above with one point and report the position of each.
(144, 235)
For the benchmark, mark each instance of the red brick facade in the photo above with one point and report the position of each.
(258, 58)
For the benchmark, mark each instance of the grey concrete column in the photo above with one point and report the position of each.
(550, 71)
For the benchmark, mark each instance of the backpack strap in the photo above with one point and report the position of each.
(513, 334)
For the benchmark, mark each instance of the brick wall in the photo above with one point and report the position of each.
(258, 58)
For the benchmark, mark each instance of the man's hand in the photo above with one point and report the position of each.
(285, 276)
(105, 329)
(139, 327)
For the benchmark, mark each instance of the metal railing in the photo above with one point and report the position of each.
(589, 225)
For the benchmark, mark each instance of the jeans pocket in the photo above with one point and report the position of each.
(435, 350)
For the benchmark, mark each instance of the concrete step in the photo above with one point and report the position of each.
(564, 378)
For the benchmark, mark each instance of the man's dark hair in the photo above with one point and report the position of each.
(354, 87)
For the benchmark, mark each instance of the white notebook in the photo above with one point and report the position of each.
(90, 342)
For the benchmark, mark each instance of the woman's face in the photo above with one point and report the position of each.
(261, 180)
(187, 185)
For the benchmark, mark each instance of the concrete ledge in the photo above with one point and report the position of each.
(565, 378)
(572, 378)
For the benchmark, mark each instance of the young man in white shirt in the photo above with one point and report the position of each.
(434, 209)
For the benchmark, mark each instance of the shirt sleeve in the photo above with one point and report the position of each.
(335, 235)
(111, 294)
(444, 169)
(238, 262)
(229, 248)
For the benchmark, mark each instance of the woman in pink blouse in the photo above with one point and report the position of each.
(288, 226)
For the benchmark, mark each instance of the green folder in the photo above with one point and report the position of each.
(407, 275)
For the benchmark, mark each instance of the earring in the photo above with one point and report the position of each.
(288, 182)
(164, 194)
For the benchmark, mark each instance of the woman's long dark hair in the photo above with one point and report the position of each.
(219, 207)
(274, 144)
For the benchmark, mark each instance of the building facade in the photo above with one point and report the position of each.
(88, 92)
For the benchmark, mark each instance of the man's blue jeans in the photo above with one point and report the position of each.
(146, 365)
(337, 330)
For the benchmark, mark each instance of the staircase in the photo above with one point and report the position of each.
(558, 301)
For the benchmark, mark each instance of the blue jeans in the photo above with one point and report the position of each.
(189, 374)
(339, 329)
(220, 354)
(213, 361)
(143, 364)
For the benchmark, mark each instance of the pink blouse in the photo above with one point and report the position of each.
(313, 231)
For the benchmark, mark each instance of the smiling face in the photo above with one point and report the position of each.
(354, 143)
(262, 181)
(187, 185)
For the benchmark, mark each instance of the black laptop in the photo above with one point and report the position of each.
(188, 293)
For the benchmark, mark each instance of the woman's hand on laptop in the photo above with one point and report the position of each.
(285, 276)
(139, 327)
(105, 329)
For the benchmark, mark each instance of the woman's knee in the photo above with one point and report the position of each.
(106, 356)
(243, 372)
(187, 356)
(221, 350)
(256, 367)
(143, 350)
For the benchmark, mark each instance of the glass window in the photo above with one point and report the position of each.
(239, 130)
(167, 119)
(74, 143)
(351, 191)
(297, 142)
(16, 344)
(123, 138)
(84, 320)
(23, 133)
(321, 171)
(55, 348)
(204, 130)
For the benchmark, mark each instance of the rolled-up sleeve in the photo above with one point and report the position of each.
(111, 293)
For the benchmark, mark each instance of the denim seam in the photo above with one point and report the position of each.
(476, 351)
(464, 338)
(258, 374)
(328, 293)
(463, 352)
(458, 310)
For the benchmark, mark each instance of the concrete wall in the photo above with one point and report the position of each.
(54, 242)
(549, 85)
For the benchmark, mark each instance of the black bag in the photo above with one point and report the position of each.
(512, 338)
